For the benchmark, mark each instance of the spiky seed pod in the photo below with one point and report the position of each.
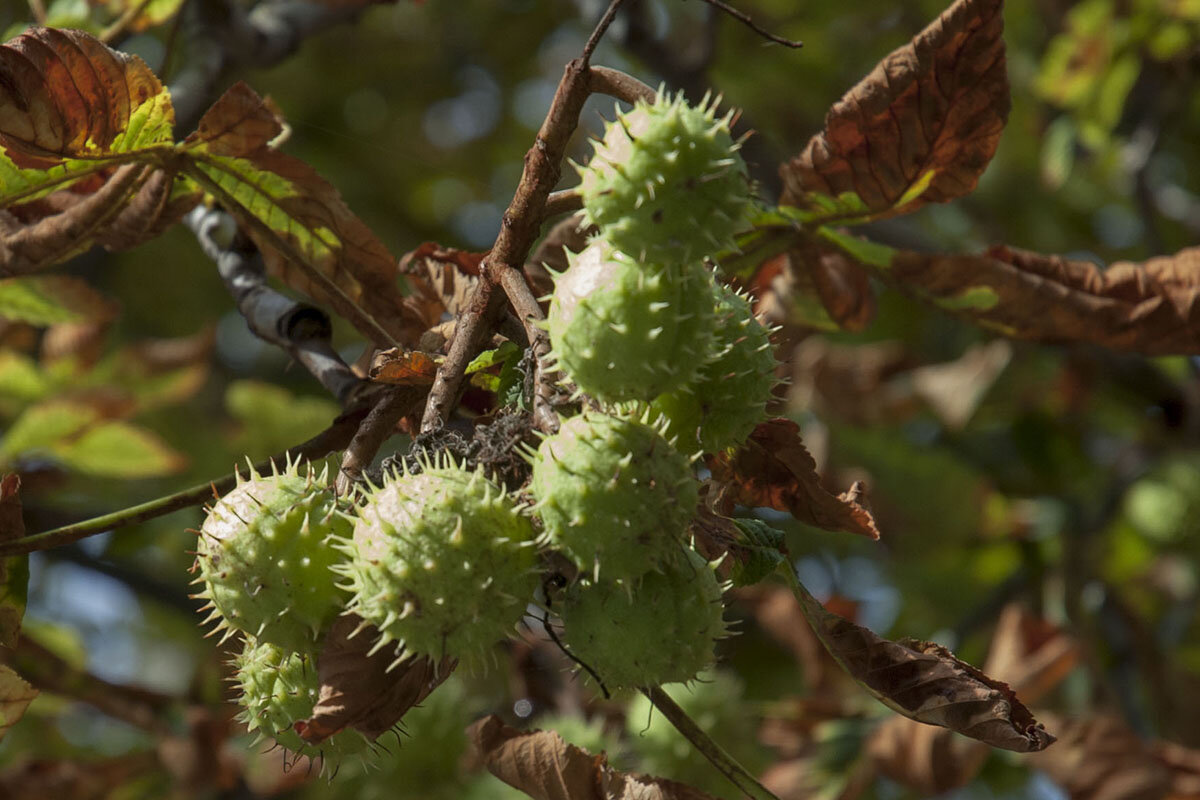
(264, 554)
(623, 331)
(667, 181)
(442, 563)
(613, 494)
(277, 689)
(662, 631)
(730, 395)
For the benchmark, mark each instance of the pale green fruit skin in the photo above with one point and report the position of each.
(280, 688)
(730, 395)
(264, 555)
(662, 631)
(442, 562)
(667, 181)
(623, 331)
(613, 494)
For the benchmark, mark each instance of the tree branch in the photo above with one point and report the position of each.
(45, 670)
(300, 329)
(374, 431)
(519, 228)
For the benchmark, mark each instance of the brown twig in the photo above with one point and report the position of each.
(38, 9)
(379, 424)
(45, 670)
(563, 202)
(618, 84)
(335, 437)
(119, 28)
(519, 228)
(744, 18)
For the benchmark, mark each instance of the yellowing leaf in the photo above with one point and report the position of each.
(41, 427)
(308, 236)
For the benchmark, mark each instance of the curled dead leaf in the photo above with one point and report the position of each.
(774, 469)
(1151, 307)
(926, 682)
(359, 691)
(545, 767)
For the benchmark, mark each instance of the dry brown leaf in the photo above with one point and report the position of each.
(954, 389)
(309, 237)
(1029, 654)
(1100, 758)
(545, 767)
(440, 280)
(401, 367)
(1151, 307)
(920, 128)
(64, 94)
(925, 682)
(46, 240)
(359, 691)
(774, 469)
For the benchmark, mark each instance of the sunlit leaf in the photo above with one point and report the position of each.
(309, 237)
(42, 427)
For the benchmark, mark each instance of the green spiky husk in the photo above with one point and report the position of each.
(264, 556)
(662, 631)
(280, 688)
(613, 494)
(442, 563)
(667, 181)
(627, 331)
(730, 395)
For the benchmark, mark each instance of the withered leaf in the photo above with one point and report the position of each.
(1151, 307)
(545, 767)
(15, 696)
(774, 469)
(309, 237)
(920, 128)
(65, 95)
(1101, 758)
(440, 280)
(404, 367)
(53, 299)
(74, 114)
(925, 682)
(359, 691)
(1029, 654)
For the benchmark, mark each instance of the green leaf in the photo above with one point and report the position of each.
(273, 418)
(761, 548)
(52, 299)
(20, 378)
(120, 450)
(44, 426)
(489, 358)
(15, 697)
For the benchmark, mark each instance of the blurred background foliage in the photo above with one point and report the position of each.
(1065, 479)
